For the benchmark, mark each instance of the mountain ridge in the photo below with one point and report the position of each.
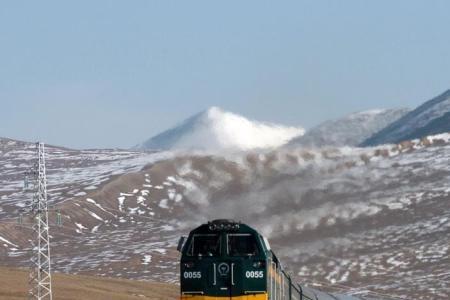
(416, 123)
(349, 130)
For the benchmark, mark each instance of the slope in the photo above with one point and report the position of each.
(416, 123)
(14, 286)
(436, 126)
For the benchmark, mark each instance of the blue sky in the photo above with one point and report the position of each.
(113, 73)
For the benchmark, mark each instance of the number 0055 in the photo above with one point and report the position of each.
(254, 274)
(193, 275)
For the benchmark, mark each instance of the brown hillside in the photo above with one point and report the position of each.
(13, 285)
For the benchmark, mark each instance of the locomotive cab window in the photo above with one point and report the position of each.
(242, 245)
(205, 245)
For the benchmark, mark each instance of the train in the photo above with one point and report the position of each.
(228, 260)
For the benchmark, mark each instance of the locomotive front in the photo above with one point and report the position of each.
(224, 259)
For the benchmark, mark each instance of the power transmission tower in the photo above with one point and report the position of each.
(40, 277)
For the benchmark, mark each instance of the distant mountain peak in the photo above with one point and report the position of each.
(217, 129)
(214, 110)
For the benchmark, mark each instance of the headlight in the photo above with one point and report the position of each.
(259, 264)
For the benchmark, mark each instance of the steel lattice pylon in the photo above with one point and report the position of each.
(40, 277)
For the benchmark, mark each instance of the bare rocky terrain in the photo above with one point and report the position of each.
(370, 222)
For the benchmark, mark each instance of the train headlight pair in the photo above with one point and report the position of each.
(222, 226)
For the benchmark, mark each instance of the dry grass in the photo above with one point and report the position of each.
(13, 285)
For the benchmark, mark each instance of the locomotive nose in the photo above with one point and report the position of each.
(237, 276)
(220, 279)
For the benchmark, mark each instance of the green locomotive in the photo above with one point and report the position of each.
(224, 259)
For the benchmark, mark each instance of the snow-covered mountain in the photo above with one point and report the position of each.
(216, 129)
(350, 130)
(432, 117)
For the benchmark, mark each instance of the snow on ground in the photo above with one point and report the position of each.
(70, 173)
(7, 243)
(147, 259)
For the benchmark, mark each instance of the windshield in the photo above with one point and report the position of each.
(205, 245)
(242, 245)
